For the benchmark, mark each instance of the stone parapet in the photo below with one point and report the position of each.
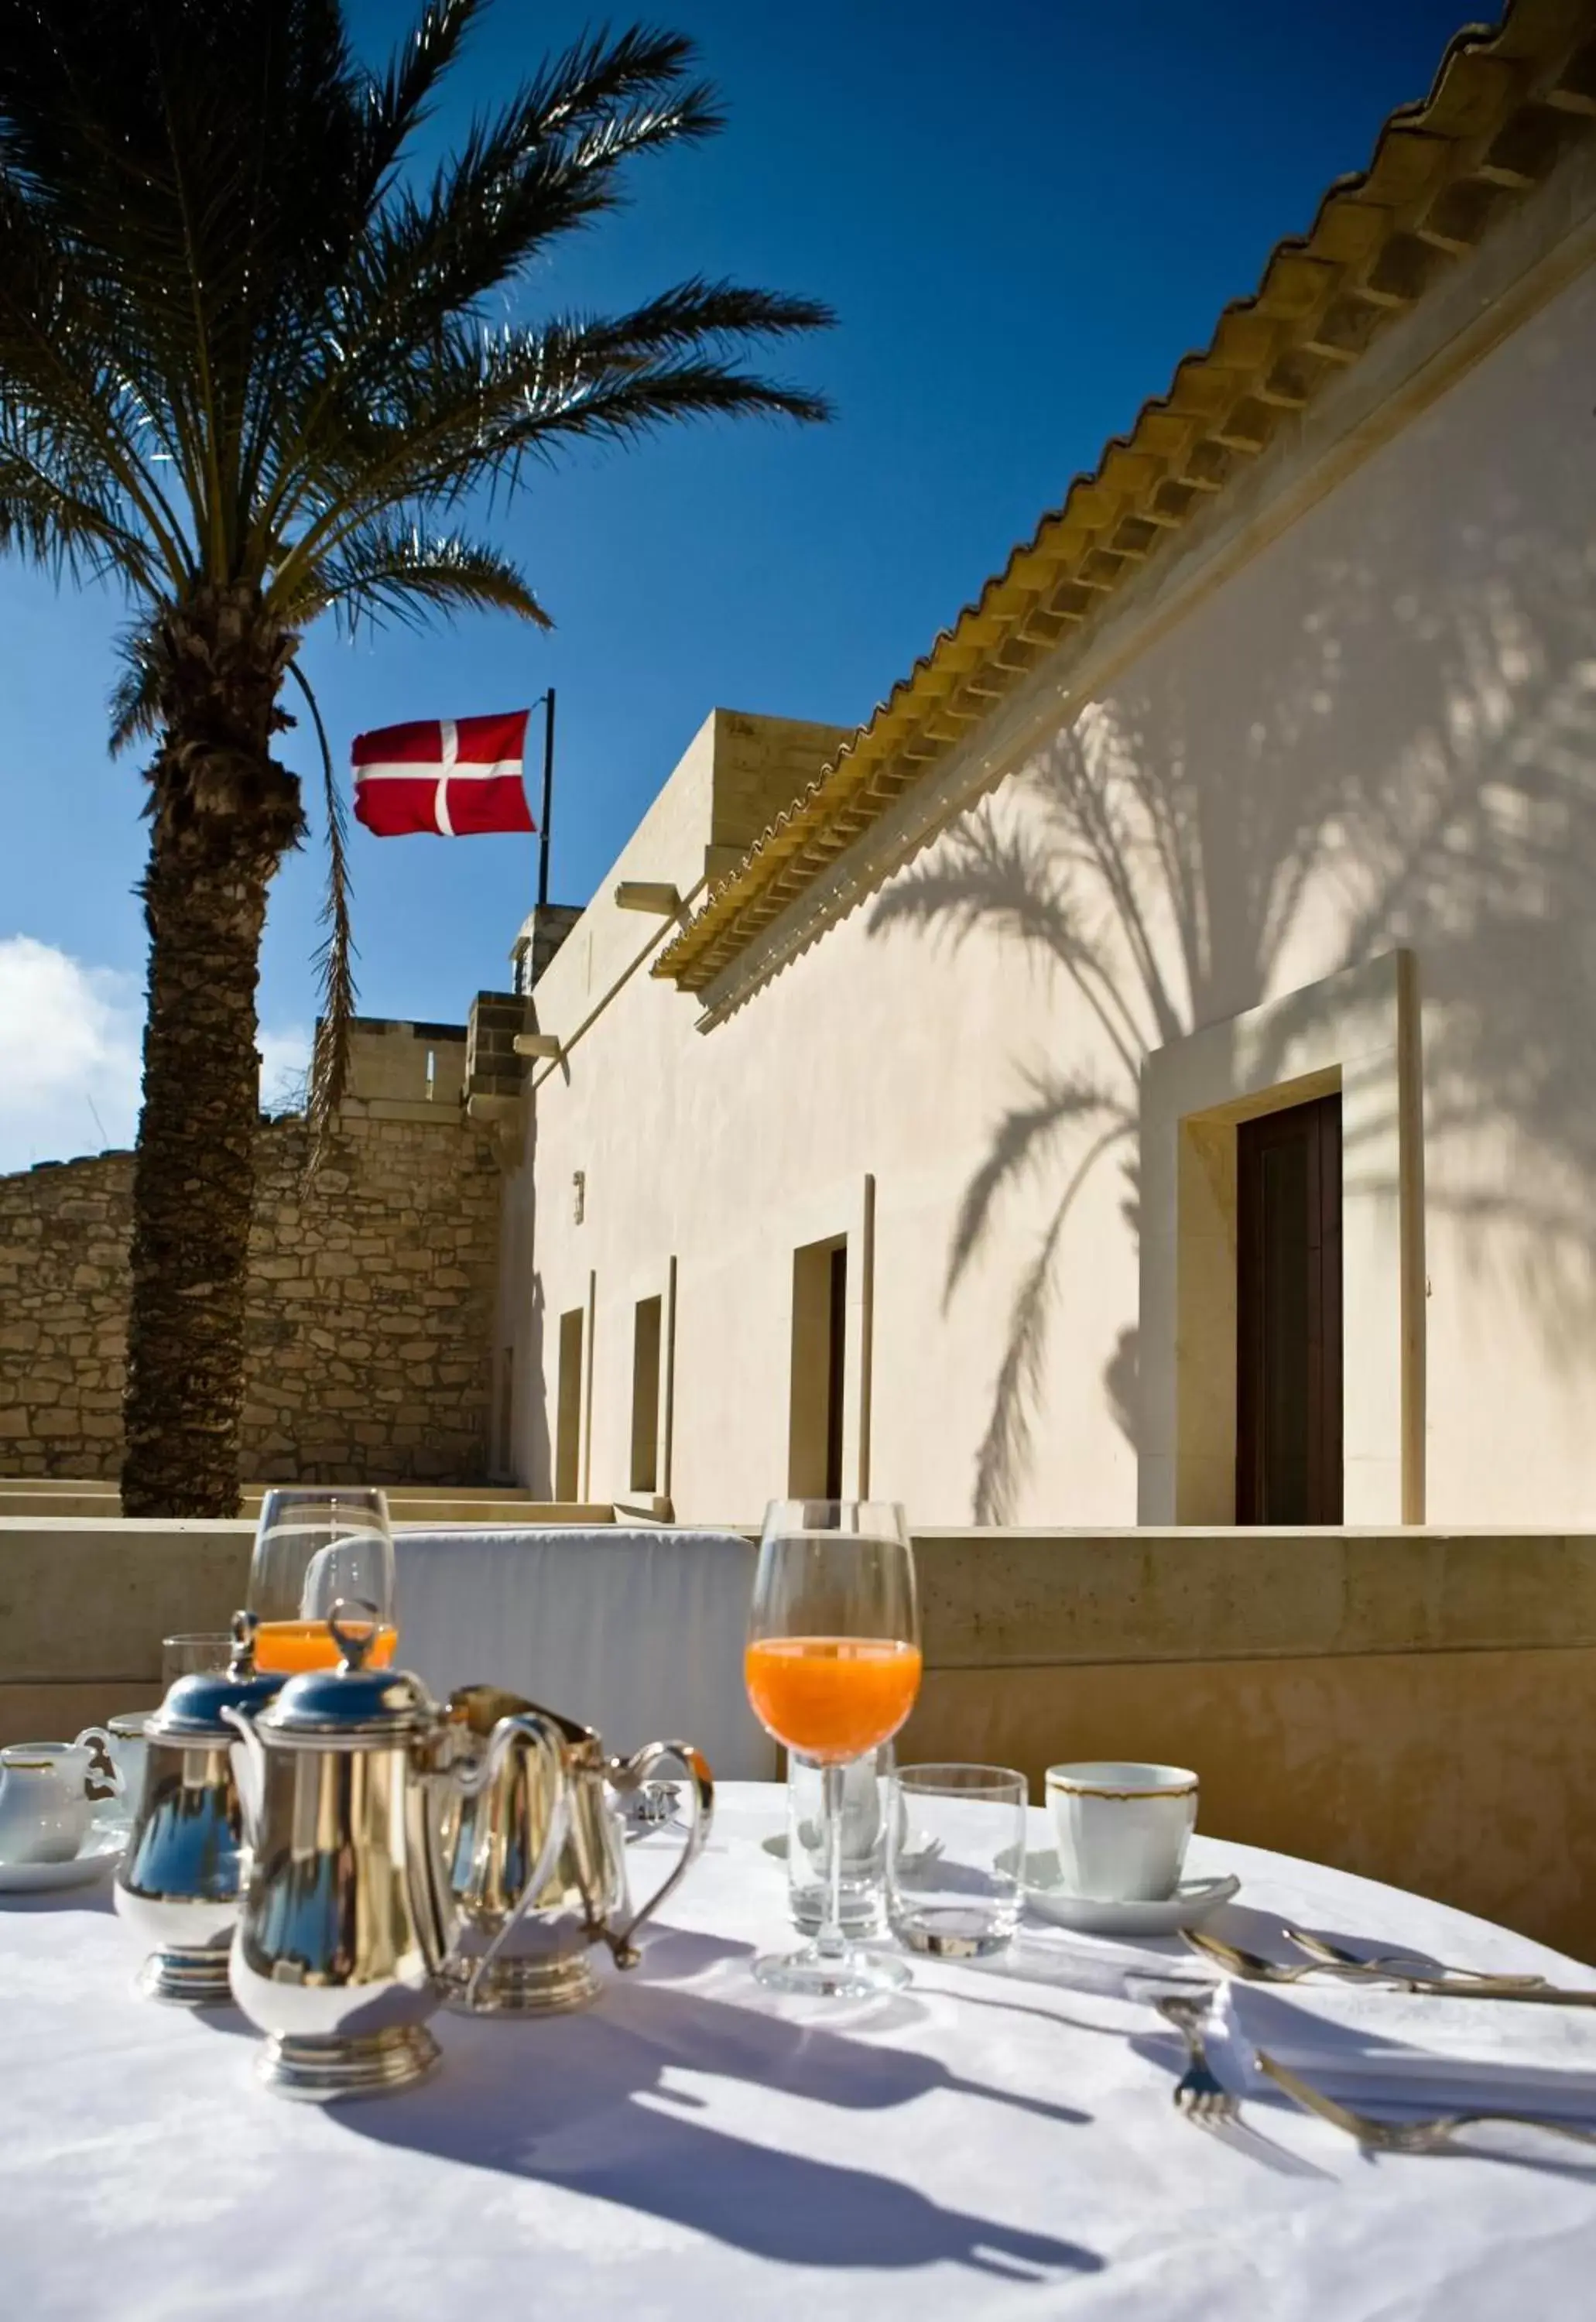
(542, 932)
(492, 1066)
(1411, 1706)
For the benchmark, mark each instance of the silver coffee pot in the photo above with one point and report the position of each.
(524, 1945)
(346, 1934)
(180, 1881)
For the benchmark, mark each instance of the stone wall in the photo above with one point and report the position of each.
(64, 1230)
(369, 1326)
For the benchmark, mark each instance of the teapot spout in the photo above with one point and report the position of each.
(249, 1759)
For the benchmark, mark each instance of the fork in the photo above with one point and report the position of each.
(1331, 1954)
(1404, 2136)
(1199, 2092)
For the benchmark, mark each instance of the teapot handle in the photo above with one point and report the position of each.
(631, 1774)
(105, 1768)
(528, 1725)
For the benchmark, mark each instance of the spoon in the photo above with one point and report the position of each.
(1396, 1962)
(1253, 1968)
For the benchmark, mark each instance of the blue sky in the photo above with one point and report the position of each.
(1024, 217)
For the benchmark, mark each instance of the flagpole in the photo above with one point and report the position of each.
(543, 844)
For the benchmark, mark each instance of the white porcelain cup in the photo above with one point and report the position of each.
(45, 1808)
(1122, 1828)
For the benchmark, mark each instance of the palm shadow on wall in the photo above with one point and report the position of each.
(1375, 757)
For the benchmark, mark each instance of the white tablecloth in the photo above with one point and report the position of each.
(998, 2143)
(644, 1628)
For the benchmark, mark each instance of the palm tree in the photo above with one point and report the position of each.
(256, 366)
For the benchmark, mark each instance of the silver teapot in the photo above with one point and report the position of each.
(524, 1938)
(180, 1881)
(345, 1938)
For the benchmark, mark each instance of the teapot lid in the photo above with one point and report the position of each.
(193, 1707)
(351, 1703)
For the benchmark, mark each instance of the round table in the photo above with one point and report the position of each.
(996, 2143)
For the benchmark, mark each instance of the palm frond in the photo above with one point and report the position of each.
(399, 100)
(387, 572)
(548, 162)
(74, 403)
(135, 698)
(335, 956)
(486, 404)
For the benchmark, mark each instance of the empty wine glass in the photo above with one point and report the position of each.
(315, 1546)
(833, 1668)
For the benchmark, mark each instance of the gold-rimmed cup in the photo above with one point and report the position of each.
(1122, 1828)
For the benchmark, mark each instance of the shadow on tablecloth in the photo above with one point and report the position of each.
(582, 2101)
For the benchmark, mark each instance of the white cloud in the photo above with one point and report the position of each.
(285, 1061)
(70, 1044)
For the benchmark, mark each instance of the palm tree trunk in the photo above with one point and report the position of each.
(223, 813)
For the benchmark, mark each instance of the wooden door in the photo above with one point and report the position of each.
(1288, 1301)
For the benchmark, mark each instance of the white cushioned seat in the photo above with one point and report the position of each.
(639, 1632)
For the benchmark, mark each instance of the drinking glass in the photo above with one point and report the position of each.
(862, 1895)
(956, 1858)
(190, 1654)
(832, 1667)
(313, 1547)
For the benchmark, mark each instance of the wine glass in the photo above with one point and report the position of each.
(832, 1667)
(313, 1546)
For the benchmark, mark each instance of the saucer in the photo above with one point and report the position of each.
(100, 1849)
(1191, 1903)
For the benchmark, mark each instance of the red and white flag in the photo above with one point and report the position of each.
(455, 777)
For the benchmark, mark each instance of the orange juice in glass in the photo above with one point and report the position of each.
(832, 1699)
(318, 1548)
(290, 1646)
(832, 1667)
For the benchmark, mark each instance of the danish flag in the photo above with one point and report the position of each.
(453, 777)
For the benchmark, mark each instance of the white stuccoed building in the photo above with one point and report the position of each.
(1148, 1072)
